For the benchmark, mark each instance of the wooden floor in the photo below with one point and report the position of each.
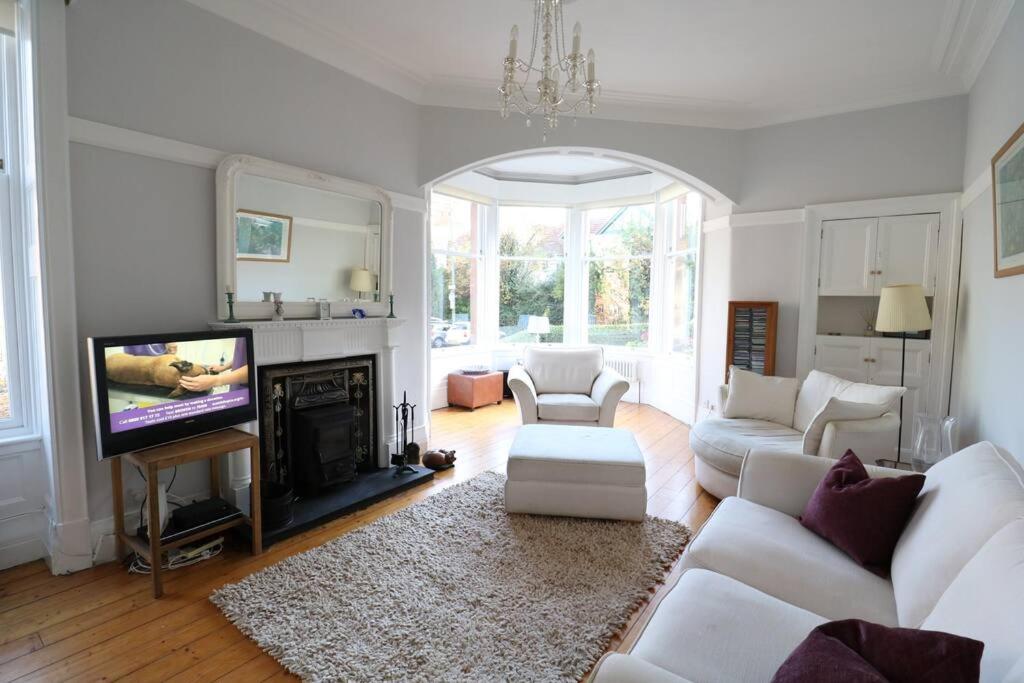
(103, 624)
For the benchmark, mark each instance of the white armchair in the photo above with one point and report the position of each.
(570, 386)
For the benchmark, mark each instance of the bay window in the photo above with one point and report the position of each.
(531, 277)
(682, 221)
(620, 244)
(454, 270)
(614, 275)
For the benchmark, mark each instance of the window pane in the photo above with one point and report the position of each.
(620, 301)
(627, 231)
(532, 231)
(5, 394)
(684, 280)
(692, 216)
(451, 224)
(531, 299)
(452, 297)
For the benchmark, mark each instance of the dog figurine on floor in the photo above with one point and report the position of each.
(153, 371)
(439, 459)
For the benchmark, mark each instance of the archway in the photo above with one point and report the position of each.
(434, 373)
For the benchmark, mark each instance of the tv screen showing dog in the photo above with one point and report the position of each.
(151, 389)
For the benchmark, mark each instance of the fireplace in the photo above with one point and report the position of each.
(317, 349)
(318, 422)
(318, 428)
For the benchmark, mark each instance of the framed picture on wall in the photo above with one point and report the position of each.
(262, 236)
(1008, 205)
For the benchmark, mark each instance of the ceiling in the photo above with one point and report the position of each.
(721, 63)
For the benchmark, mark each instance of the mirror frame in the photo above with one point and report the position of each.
(228, 172)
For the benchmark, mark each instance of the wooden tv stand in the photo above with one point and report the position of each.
(152, 460)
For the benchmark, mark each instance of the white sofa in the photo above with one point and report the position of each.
(568, 386)
(756, 582)
(720, 444)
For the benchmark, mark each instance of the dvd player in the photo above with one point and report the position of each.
(203, 514)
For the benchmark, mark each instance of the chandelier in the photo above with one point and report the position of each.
(558, 83)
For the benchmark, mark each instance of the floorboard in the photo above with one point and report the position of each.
(103, 624)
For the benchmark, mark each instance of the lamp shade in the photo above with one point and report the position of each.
(362, 280)
(538, 324)
(902, 308)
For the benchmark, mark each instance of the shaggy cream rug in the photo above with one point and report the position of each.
(454, 589)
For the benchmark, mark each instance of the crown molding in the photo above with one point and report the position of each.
(967, 31)
(286, 25)
(998, 13)
(95, 134)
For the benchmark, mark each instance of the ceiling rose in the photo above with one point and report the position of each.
(558, 83)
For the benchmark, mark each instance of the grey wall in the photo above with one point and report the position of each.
(903, 150)
(988, 372)
(168, 68)
(452, 138)
(144, 229)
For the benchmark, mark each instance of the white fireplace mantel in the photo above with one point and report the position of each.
(295, 341)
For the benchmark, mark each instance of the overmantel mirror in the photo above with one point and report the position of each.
(301, 235)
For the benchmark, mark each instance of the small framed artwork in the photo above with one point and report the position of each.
(262, 236)
(1008, 205)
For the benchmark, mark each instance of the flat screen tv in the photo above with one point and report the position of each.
(157, 388)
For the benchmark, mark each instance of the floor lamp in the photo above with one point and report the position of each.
(903, 309)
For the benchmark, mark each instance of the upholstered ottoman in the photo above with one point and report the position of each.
(576, 472)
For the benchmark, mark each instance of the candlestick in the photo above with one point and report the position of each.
(391, 305)
(231, 306)
(513, 43)
(590, 65)
(228, 289)
(576, 31)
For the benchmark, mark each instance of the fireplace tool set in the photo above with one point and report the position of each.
(405, 448)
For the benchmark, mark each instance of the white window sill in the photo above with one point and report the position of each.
(18, 440)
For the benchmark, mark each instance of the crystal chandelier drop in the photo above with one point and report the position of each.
(552, 96)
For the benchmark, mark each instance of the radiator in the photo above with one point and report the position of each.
(625, 367)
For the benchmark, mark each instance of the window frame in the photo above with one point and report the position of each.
(19, 268)
(564, 259)
(476, 326)
(587, 260)
(672, 254)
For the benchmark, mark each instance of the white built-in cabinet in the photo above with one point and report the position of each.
(876, 360)
(859, 256)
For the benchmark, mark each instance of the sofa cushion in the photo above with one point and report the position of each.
(814, 393)
(966, 498)
(986, 602)
(758, 397)
(723, 443)
(771, 551)
(862, 516)
(835, 410)
(710, 627)
(567, 407)
(561, 370)
(819, 387)
(858, 651)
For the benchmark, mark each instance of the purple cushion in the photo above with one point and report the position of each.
(861, 516)
(856, 651)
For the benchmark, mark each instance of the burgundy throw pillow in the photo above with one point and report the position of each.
(861, 516)
(856, 651)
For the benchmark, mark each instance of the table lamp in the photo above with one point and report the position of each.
(538, 325)
(902, 308)
(362, 281)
